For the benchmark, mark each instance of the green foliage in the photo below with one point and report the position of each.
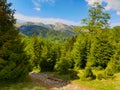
(50, 54)
(98, 18)
(100, 76)
(46, 32)
(88, 74)
(14, 64)
(114, 64)
(26, 85)
(63, 65)
(101, 50)
(108, 72)
(94, 44)
(73, 74)
(100, 47)
(115, 34)
(37, 50)
(80, 51)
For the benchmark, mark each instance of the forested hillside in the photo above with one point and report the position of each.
(94, 46)
(58, 32)
(14, 62)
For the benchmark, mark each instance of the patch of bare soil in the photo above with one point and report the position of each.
(53, 83)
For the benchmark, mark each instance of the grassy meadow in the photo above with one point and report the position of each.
(26, 85)
(108, 84)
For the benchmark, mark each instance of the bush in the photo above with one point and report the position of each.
(109, 72)
(73, 74)
(88, 74)
(100, 76)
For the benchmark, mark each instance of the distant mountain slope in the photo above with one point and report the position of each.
(29, 30)
(50, 31)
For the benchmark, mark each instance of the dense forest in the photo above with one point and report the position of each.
(94, 46)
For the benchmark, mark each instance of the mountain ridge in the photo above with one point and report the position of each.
(56, 26)
(50, 31)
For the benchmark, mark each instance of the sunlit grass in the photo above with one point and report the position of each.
(26, 85)
(109, 84)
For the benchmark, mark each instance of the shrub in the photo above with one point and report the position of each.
(109, 72)
(88, 74)
(73, 74)
(100, 76)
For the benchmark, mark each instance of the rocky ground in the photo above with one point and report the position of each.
(53, 83)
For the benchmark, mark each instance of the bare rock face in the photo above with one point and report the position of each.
(53, 83)
(60, 26)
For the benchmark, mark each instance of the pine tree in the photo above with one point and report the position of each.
(101, 50)
(14, 63)
(37, 50)
(81, 51)
(50, 54)
(114, 63)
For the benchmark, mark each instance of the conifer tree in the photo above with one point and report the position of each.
(81, 51)
(101, 50)
(14, 63)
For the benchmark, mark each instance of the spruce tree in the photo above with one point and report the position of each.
(14, 63)
(81, 51)
(101, 50)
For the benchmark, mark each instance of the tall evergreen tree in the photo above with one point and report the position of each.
(50, 54)
(101, 50)
(114, 63)
(14, 63)
(37, 50)
(81, 51)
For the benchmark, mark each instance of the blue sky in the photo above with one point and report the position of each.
(69, 12)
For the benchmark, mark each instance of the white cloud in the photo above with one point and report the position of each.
(37, 3)
(91, 2)
(51, 1)
(118, 12)
(110, 4)
(37, 9)
(44, 20)
(113, 5)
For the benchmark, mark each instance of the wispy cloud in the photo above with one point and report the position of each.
(110, 4)
(91, 2)
(114, 5)
(37, 8)
(44, 20)
(37, 3)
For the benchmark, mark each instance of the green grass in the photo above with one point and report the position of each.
(26, 85)
(109, 84)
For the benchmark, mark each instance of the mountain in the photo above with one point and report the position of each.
(55, 31)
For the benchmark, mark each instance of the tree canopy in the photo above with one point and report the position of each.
(14, 63)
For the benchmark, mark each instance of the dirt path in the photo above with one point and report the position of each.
(53, 83)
